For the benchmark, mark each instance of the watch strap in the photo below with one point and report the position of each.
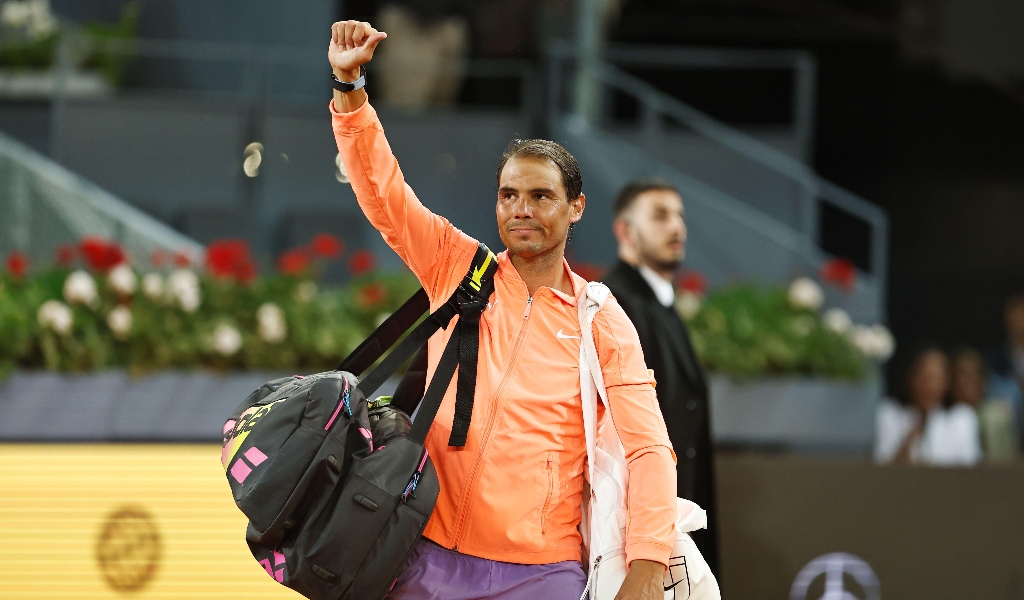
(349, 86)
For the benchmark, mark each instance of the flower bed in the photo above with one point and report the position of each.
(748, 331)
(94, 309)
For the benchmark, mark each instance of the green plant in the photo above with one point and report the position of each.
(746, 331)
(105, 314)
(29, 34)
(103, 39)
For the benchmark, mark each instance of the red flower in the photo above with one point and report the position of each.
(231, 259)
(159, 258)
(361, 262)
(246, 272)
(693, 282)
(326, 245)
(588, 271)
(101, 254)
(293, 262)
(17, 264)
(840, 272)
(371, 295)
(181, 260)
(66, 255)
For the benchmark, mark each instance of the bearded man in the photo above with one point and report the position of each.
(650, 228)
(506, 522)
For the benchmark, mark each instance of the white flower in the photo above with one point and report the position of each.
(875, 342)
(122, 279)
(57, 316)
(688, 304)
(80, 288)
(862, 339)
(32, 15)
(804, 293)
(226, 340)
(305, 292)
(153, 286)
(837, 320)
(183, 286)
(15, 14)
(120, 321)
(272, 325)
(41, 21)
(884, 342)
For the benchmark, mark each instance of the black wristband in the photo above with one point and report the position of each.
(349, 86)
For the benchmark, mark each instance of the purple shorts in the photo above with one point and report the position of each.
(436, 573)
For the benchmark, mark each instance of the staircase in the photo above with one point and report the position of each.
(44, 205)
(753, 208)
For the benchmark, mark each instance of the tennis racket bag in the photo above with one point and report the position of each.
(333, 512)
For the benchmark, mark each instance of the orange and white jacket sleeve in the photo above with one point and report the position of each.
(651, 508)
(431, 246)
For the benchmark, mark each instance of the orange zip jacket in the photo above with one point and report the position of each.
(513, 493)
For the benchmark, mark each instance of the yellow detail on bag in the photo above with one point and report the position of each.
(241, 430)
(478, 272)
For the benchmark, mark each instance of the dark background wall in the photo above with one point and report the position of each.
(927, 533)
(919, 110)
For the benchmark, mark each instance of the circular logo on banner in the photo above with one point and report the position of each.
(128, 549)
(838, 569)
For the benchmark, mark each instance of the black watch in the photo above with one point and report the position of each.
(349, 86)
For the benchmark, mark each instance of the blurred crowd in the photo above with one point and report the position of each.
(959, 408)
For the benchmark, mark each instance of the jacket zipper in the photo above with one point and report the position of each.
(460, 522)
(551, 493)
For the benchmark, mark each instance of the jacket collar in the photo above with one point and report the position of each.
(636, 281)
(509, 272)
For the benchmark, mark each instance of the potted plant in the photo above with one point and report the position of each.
(785, 372)
(32, 39)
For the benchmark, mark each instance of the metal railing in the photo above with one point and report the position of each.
(43, 205)
(257, 63)
(656, 106)
(802, 63)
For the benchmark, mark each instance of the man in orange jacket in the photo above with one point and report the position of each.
(506, 522)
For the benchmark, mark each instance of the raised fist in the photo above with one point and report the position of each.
(352, 45)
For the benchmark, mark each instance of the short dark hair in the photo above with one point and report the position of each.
(634, 189)
(570, 169)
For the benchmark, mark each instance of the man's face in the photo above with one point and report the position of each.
(533, 210)
(656, 229)
(968, 385)
(930, 381)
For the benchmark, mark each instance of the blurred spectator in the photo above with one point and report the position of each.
(1007, 363)
(924, 432)
(423, 60)
(996, 421)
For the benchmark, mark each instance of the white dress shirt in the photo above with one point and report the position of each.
(950, 435)
(663, 290)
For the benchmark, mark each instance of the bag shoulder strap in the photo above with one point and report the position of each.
(592, 388)
(469, 300)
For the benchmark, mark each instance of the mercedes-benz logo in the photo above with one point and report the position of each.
(834, 566)
(128, 549)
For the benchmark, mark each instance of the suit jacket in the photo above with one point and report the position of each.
(682, 392)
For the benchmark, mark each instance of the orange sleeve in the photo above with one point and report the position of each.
(651, 508)
(433, 248)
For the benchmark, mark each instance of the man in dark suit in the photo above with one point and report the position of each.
(649, 226)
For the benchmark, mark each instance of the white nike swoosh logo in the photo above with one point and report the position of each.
(562, 336)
